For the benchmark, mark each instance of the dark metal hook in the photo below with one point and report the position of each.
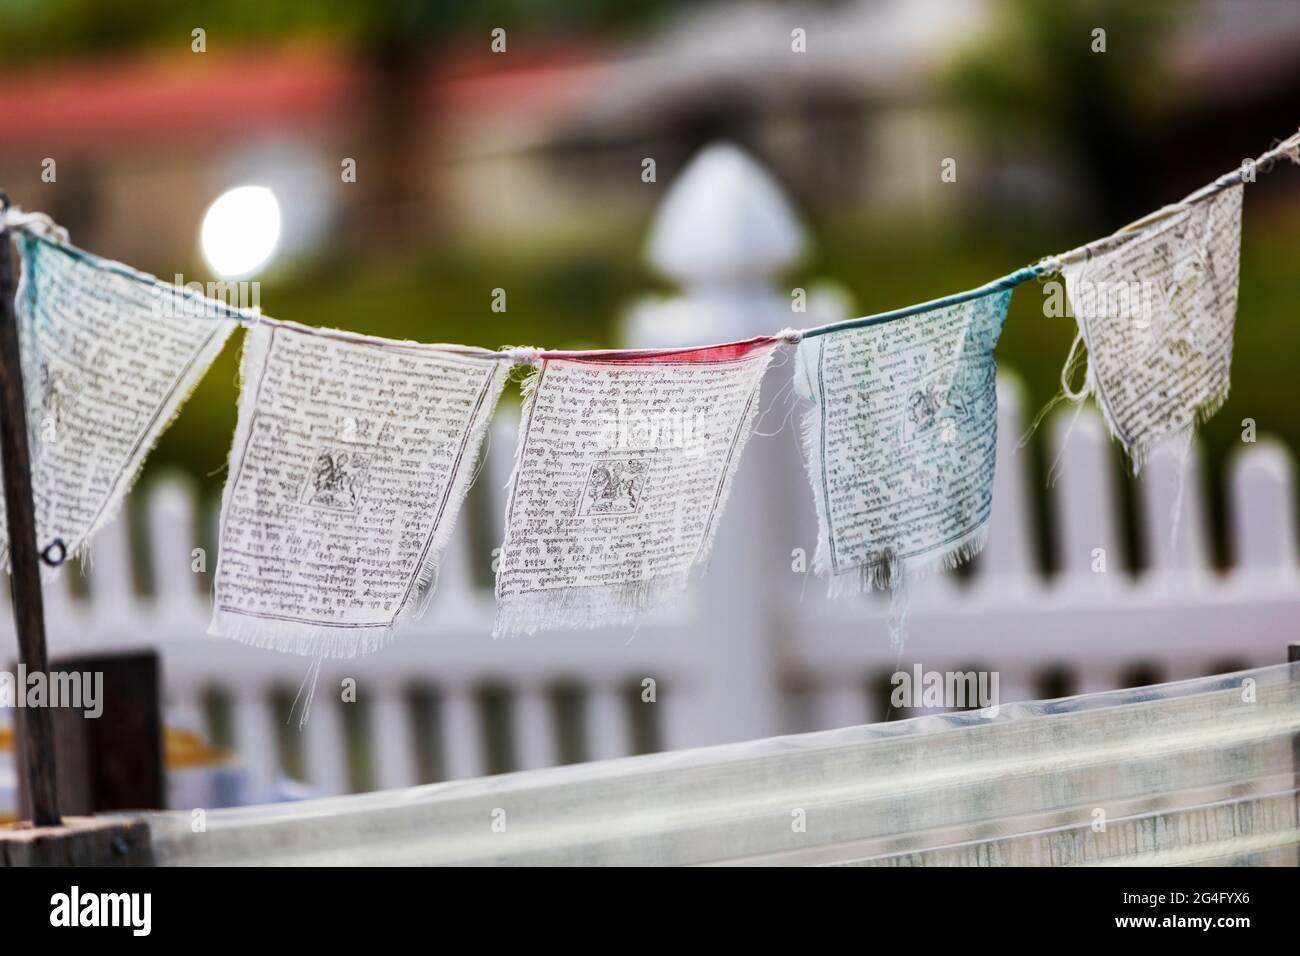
(63, 553)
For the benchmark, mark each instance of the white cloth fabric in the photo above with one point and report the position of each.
(622, 471)
(1157, 309)
(900, 441)
(350, 463)
(107, 365)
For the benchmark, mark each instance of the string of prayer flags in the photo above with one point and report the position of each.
(900, 441)
(109, 355)
(1156, 309)
(623, 467)
(350, 462)
(353, 455)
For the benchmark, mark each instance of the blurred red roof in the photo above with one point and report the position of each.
(205, 95)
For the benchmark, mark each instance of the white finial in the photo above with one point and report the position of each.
(724, 219)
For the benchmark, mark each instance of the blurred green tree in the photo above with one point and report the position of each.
(395, 43)
(1100, 96)
(44, 29)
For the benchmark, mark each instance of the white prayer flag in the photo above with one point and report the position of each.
(622, 471)
(1156, 309)
(350, 463)
(901, 441)
(107, 363)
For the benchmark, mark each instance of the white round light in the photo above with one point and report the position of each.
(240, 231)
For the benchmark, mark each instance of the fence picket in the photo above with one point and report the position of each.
(1007, 559)
(1160, 484)
(605, 716)
(392, 739)
(534, 729)
(1263, 511)
(254, 731)
(111, 579)
(1086, 504)
(462, 736)
(325, 743)
(172, 509)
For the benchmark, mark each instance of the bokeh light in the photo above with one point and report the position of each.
(240, 231)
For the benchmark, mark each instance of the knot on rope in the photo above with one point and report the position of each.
(1047, 266)
(523, 355)
(13, 217)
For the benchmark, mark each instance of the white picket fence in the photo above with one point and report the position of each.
(755, 648)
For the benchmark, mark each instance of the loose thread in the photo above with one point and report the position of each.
(900, 602)
(1073, 359)
(1054, 473)
(309, 685)
(786, 393)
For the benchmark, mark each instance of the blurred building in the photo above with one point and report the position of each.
(551, 135)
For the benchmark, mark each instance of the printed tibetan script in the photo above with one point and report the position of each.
(622, 471)
(901, 441)
(105, 369)
(350, 462)
(1157, 310)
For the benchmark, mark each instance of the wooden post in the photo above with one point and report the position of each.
(1293, 657)
(25, 574)
(114, 762)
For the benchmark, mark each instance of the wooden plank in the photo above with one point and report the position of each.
(78, 841)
